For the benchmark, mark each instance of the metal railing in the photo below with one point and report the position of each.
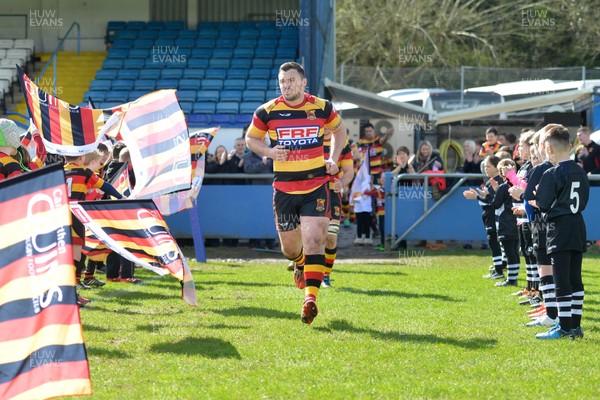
(58, 48)
(426, 210)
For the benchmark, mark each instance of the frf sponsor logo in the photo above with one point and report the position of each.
(44, 19)
(298, 136)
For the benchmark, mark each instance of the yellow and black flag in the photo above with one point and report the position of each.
(42, 353)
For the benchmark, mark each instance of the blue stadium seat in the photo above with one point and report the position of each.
(168, 34)
(95, 95)
(117, 95)
(167, 42)
(136, 94)
(264, 25)
(186, 106)
(186, 95)
(222, 53)
(250, 25)
(249, 107)
(185, 43)
(172, 73)
(262, 62)
(199, 119)
(115, 54)
(234, 83)
(288, 42)
(150, 74)
(228, 34)
(268, 43)
(198, 63)
(268, 33)
(194, 73)
(272, 94)
(188, 34)
(122, 84)
(167, 84)
(223, 120)
(152, 63)
(145, 84)
(106, 74)
(201, 53)
(126, 34)
(203, 43)
(275, 73)
(133, 64)
(253, 95)
(123, 44)
(216, 73)
(204, 96)
(228, 25)
(143, 43)
(136, 25)
(249, 33)
(208, 24)
(105, 105)
(243, 53)
(256, 84)
(97, 85)
(228, 107)
(246, 43)
(155, 25)
(205, 107)
(219, 63)
(261, 73)
(147, 35)
(277, 61)
(116, 25)
(128, 74)
(139, 53)
(237, 73)
(289, 52)
(212, 84)
(273, 84)
(289, 33)
(226, 43)
(231, 95)
(265, 53)
(243, 119)
(189, 84)
(175, 25)
(208, 34)
(242, 63)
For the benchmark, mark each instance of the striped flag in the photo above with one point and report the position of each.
(179, 201)
(156, 134)
(121, 180)
(42, 352)
(66, 129)
(136, 230)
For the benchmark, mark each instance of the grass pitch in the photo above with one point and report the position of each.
(425, 326)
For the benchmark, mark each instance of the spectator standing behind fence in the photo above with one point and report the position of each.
(372, 145)
(427, 159)
(491, 144)
(588, 153)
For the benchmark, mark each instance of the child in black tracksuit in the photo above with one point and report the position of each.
(485, 196)
(506, 223)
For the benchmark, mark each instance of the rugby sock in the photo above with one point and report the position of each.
(90, 269)
(497, 264)
(330, 255)
(528, 268)
(576, 309)
(313, 274)
(564, 311)
(79, 266)
(300, 260)
(548, 293)
(536, 277)
(513, 272)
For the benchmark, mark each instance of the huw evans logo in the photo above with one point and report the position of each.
(414, 55)
(168, 55)
(290, 18)
(44, 19)
(537, 18)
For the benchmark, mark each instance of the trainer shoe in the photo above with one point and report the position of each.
(543, 321)
(135, 281)
(506, 283)
(577, 333)
(82, 301)
(537, 310)
(346, 223)
(309, 310)
(326, 281)
(555, 332)
(299, 277)
(93, 282)
(81, 286)
(494, 275)
(291, 266)
(520, 292)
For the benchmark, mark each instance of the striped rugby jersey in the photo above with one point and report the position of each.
(375, 151)
(345, 158)
(299, 129)
(79, 179)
